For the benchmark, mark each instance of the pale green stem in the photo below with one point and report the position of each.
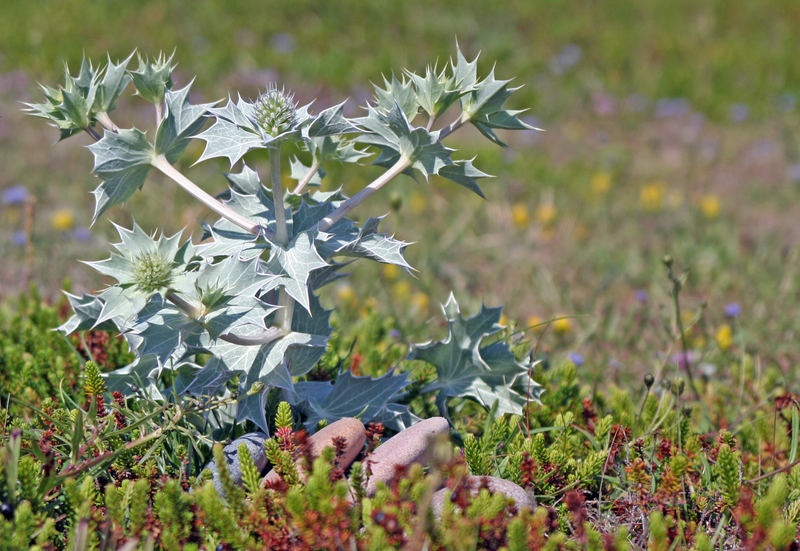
(265, 337)
(106, 121)
(395, 170)
(159, 114)
(285, 302)
(306, 179)
(162, 164)
(193, 311)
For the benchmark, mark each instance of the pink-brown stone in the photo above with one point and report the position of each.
(349, 428)
(403, 450)
(493, 484)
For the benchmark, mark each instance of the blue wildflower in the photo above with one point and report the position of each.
(732, 309)
(19, 238)
(82, 234)
(576, 358)
(15, 195)
(641, 295)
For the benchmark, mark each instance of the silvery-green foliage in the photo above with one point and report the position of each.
(467, 367)
(243, 303)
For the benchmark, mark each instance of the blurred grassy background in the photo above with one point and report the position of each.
(671, 128)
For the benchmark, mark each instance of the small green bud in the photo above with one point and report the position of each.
(649, 380)
(396, 201)
(275, 111)
(667, 260)
(152, 272)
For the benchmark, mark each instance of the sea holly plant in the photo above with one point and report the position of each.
(239, 312)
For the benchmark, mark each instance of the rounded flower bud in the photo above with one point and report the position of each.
(275, 111)
(151, 272)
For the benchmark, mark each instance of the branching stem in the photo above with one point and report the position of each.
(163, 165)
(106, 121)
(265, 337)
(396, 169)
(307, 178)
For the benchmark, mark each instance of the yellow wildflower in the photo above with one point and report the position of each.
(520, 216)
(535, 323)
(724, 336)
(401, 290)
(546, 214)
(652, 195)
(709, 206)
(390, 271)
(600, 183)
(503, 320)
(562, 326)
(421, 301)
(62, 220)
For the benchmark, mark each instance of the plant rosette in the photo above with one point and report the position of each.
(241, 307)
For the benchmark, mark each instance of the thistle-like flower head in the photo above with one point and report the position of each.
(275, 111)
(151, 272)
(146, 265)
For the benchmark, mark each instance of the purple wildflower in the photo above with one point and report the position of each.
(733, 309)
(641, 296)
(82, 234)
(738, 112)
(283, 42)
(19, 238)
(667, 108)
(565, 59)
(603, 104)
(15, 195)
(576, 358)
(395, 333)
(683, 360)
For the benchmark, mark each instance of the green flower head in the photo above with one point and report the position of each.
(275, 111)
(146, 265)
(152, 272)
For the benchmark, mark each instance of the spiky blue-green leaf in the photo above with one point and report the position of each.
(86, 309)
(466, 368)
(137, 377)
(329, 122)
(210, 380)
(115, 80)
(226, 139)
(121, 160)
(465, 174)
(377, 246)
(181, 122)
(351, 396)
(153, 78)
(246, 181)
(484, 108)
(294, 263)
(436, 91)
(397, 92)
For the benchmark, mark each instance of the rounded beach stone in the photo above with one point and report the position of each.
(404, 449)
(495, 486)
(349, 428)
(255, 445)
